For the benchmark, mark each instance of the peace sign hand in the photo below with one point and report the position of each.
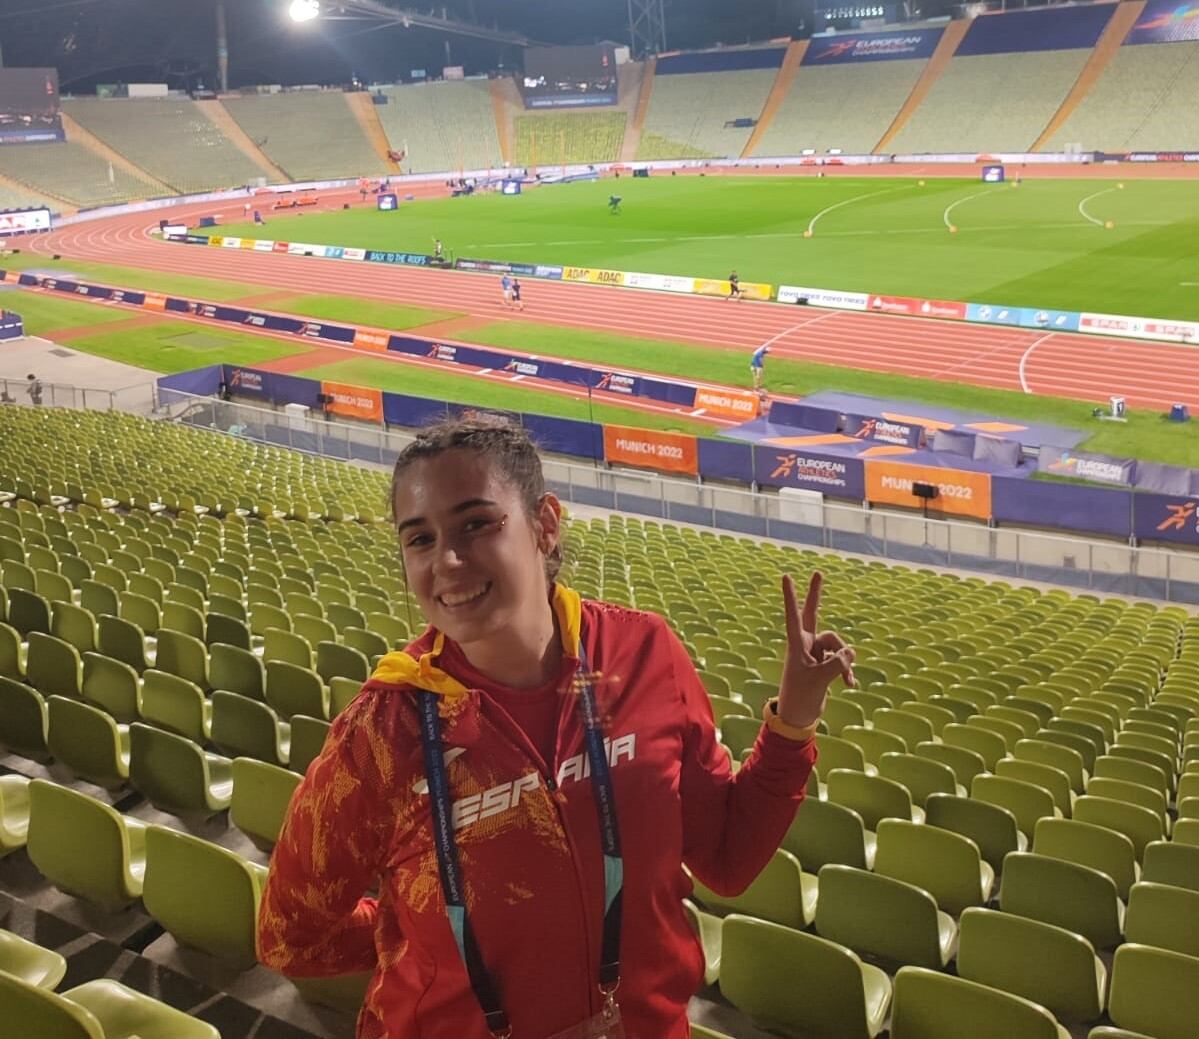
(813, 659)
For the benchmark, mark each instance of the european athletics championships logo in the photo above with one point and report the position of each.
(1167, 22)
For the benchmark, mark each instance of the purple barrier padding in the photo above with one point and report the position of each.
(565, 436)
(137, 299)
(1166, 517)
(78, 288)
(722, 460)
(202, 382)
(399, 409)
(571, 374)
(11, 325)
(1166, 21)
(1085, 465)
(997, 451)
(616, 382)
(670, 392)
(828, 474)
(804, 416)
(293, 389)
(872, 46)
(720, 61)
(246, 382)
(1165, 479)
(27, 279)
(1195, 483)
(866, 427)
(180, 306)
(1042, 29)
(947, 442)
(1043, 503)
(332, 333)
(275, 323)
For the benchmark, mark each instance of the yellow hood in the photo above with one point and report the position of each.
(400, 668)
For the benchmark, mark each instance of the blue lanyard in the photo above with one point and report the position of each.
(450, 869)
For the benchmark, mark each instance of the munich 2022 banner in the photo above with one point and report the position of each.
(872, 46)
(353, 401)
(1166, 21)
(651, 449)
(959, 491)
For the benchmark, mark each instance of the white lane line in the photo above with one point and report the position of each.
(803, 324)
(846, 202)
(1082, 206)
(953, 205)
(1024, 360)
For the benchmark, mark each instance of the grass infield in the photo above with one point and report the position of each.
(1045, 243)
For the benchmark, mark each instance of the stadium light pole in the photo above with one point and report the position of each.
(222, 48)
(647, 27)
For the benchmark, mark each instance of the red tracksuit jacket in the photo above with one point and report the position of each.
(528, 843)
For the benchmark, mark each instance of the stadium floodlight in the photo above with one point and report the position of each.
(304, 10)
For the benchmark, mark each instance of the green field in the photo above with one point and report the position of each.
(1030, 245)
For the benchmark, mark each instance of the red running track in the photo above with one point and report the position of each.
(1152, 375)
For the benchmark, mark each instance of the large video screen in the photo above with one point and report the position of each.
(29, 108)
(569, 77)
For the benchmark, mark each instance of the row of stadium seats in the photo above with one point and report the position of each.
(689, 113)
(442, 127)
(548, 140)
(71, 172)
(1002, 740)
(171, 139)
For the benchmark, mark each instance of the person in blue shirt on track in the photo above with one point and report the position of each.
(506, 286)
(756, 363)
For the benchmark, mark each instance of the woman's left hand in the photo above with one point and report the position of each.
(813, 660)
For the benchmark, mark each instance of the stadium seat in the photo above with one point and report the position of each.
(1011, 953)
(841, 995)
(24, 722)
(88, 742)
(1170, 863)
(1074, 897)
(1139, 825)
(782, 893)
(176, 775)
(52, 666)
(883, 918)
(185, 877)
(292, 690)
(872, 797)
(1155, 991)
(237, 670)
(708, 929)
(1086, 844)
(85, 847)
(945, 864)
(14, 816)
(261, 794)
(29, 962)
(1163, 916)
(824, 832)
(246, 728)
(931, 1005)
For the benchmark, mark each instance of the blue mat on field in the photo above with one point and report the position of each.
(1029, 434)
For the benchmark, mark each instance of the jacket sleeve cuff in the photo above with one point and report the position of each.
(776, 724)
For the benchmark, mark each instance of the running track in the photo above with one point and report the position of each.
(1062, 364)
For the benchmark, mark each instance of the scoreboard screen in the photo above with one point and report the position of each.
(24, 221)
(569, 77)
(29, 107)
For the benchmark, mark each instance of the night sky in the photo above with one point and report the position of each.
(116, 41)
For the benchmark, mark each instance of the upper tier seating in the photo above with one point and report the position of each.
(991, 102)
(1146, 100)
(310, 135)
(169, 138)
(575, 137)
(688, 111)
(73, 173)
(846, 106)
(446, 126)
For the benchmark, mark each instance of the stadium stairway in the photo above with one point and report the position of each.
(88, 140)
(796, 49)
(505, 103)
(368, 119)
(632, 137)
(1116, 30)
(231, 128)
(937, 64)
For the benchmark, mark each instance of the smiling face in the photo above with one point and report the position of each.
(474, 556)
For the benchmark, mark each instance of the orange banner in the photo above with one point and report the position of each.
(738, 404)
(651, 449)
(368, 340)
(353, 401)
(154, 302)
(959, 491)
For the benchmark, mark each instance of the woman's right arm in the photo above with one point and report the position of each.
(313, 921)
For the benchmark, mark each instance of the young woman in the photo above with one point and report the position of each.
(525, 782)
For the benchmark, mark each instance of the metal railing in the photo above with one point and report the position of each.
(139, 399)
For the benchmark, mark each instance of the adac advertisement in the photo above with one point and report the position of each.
(872, 46)
(1166, 21)
(959, 491)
